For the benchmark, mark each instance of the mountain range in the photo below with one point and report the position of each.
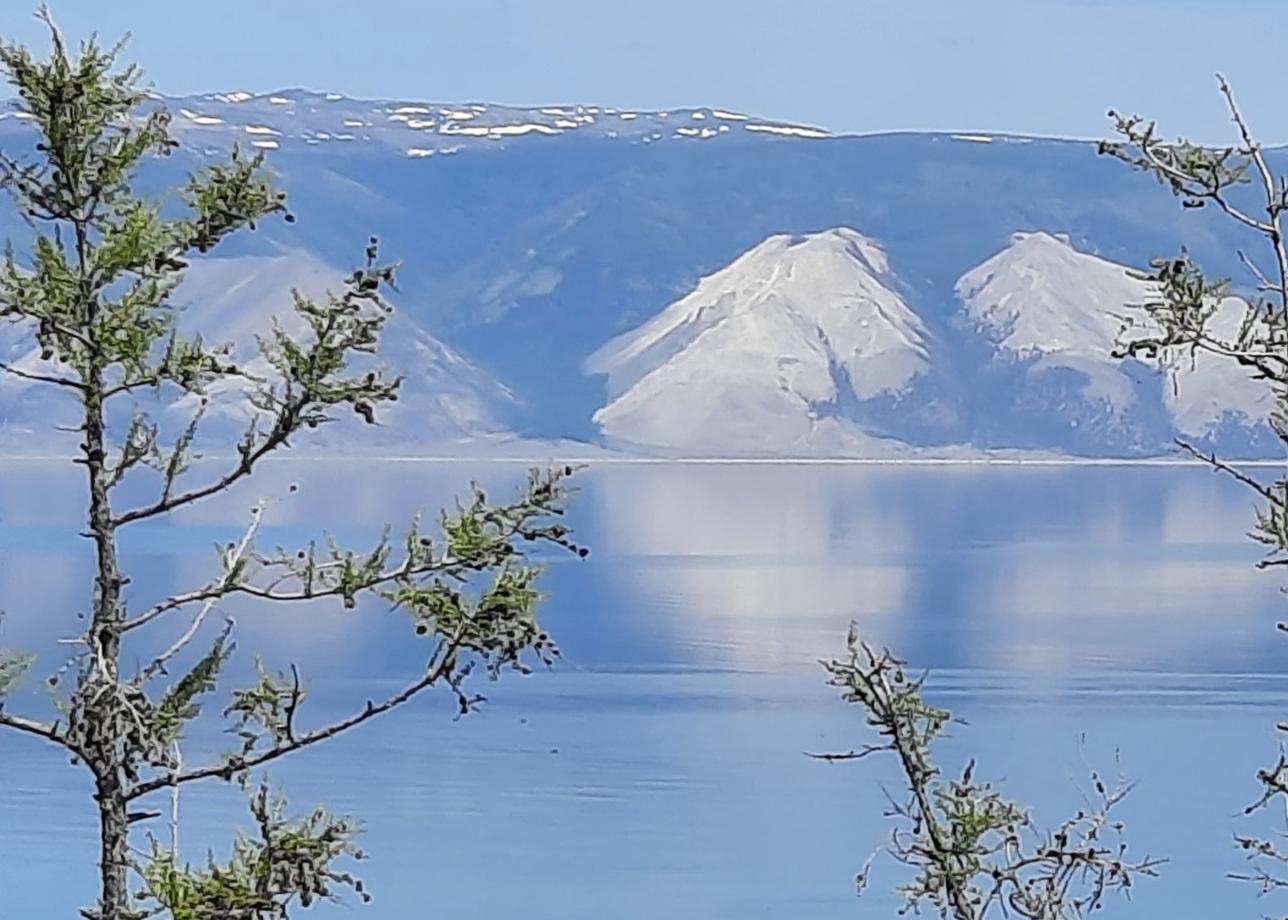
(704, 282)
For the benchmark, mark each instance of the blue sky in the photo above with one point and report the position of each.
(1047, 67)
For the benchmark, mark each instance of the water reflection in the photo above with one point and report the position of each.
(658, 771)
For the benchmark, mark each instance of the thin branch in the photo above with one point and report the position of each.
(849, 755)
(68, 331)
(1250, 145)
(1217, 463)
(168, 502)
(232, 561)
(177, 753)
(1181, 176)
(34, 727)
(293, 704)
(42, 378)
(224, 588)
(156, 379)
(1263, 283)
(240, 763)
(1274, 202)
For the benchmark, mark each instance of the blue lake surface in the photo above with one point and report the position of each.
(659, 770)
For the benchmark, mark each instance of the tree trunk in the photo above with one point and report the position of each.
(114, 896)
(104, 706)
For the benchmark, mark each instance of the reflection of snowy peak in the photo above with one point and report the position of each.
(756, 354)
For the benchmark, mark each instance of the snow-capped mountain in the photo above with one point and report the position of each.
(808, 345)
(762, 354)
(1054, 315)
(1040, 294)
(678, 256)
(1046, 305)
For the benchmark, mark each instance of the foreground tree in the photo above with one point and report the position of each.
(974, 854)
(94, 295)
(1178, 324)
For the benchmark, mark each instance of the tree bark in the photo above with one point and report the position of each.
(104, 707)
(114, 896)
(105, 643)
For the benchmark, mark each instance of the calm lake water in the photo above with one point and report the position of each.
(659, 771)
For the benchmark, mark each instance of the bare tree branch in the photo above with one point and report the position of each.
(1274, 200)
(42, 378)
(1217, 463)
(33, 727)
(232, 561)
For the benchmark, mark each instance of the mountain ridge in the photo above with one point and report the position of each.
(525, 254)
(239, 96)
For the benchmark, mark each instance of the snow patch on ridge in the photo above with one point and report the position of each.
(198, 119)
(787, 130)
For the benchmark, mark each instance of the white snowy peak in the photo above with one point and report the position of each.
(831, 290)
(756, 347)
(1042, 298)
(1040, 295)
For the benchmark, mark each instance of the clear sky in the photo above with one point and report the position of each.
(1048, 67)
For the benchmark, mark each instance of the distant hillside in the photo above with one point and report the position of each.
(708, 281)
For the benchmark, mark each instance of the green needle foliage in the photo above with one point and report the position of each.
(973, 853)
(179, 704)
(1176, 323)
(93, 290)
(289, 861)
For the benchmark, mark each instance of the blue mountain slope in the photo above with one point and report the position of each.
(527, 253)
(530, 259)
